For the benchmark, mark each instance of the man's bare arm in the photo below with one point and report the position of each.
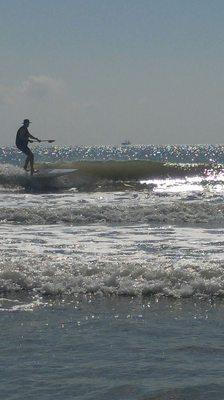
(32, 137)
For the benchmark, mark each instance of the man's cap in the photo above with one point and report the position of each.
(25, 121)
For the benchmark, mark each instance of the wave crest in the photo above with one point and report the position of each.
(50, 275)
(176, 212)
(99, 175)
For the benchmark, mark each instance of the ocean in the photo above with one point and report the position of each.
(112, 276)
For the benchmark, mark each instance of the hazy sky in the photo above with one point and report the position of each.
(101, 71)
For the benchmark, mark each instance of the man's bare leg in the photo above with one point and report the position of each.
(26, 163)
(31, 166)
(29, 159)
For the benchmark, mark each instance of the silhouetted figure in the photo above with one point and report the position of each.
(22, 138)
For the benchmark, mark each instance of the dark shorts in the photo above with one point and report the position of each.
(25, 149)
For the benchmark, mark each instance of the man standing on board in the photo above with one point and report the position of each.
(22, 138)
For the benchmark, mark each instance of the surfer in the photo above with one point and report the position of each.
(22, 138)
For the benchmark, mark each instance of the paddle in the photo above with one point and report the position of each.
(48, 140)
(44, 140)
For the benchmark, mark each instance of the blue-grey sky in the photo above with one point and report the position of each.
(101, 71)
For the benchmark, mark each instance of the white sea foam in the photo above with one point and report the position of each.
(66, 276)
(132, 260)
(192, 210)
(11, 170)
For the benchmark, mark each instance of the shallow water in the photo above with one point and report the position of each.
(114, 349)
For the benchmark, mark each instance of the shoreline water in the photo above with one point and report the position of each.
(115, 349)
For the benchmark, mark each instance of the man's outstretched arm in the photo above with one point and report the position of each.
(32, 137)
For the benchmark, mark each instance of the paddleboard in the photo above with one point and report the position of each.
(54, 173)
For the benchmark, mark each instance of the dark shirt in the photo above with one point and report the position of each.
(22, 136)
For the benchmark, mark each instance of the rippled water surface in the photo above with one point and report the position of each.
(114, 349)
(114, 289)
(166, 153)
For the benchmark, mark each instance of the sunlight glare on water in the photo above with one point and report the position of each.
(212, 182)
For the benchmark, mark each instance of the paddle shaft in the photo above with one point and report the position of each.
(44, 140)
(48, 140)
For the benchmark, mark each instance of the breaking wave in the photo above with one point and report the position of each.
(52, 276)
(99, 175)
(176, 212)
